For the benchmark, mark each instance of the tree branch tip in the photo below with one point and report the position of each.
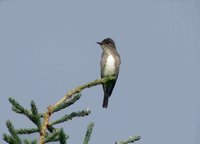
(88, 110)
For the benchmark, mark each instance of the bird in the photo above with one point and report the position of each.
(110, 65)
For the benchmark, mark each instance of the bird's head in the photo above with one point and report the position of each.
(107, 43)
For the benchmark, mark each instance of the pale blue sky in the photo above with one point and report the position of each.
(48, 47)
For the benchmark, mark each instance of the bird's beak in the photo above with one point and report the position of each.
(100, 43)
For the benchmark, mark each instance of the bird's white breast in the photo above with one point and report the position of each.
(110, 66)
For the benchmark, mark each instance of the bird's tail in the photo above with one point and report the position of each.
(105, 101)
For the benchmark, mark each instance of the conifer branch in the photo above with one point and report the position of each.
(54, 134)
(76, 90)
(51, 137)
(57, 135)
(16, 107)
(27, 131)
(131, 139)
(70, 116)
(35, 115)
(80, 88)
(88, 133)
(65, 104)
(62, 137)
(13, 138)
(30, 142)
(68, 102)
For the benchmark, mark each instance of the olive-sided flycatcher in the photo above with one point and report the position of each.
(110, 64)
